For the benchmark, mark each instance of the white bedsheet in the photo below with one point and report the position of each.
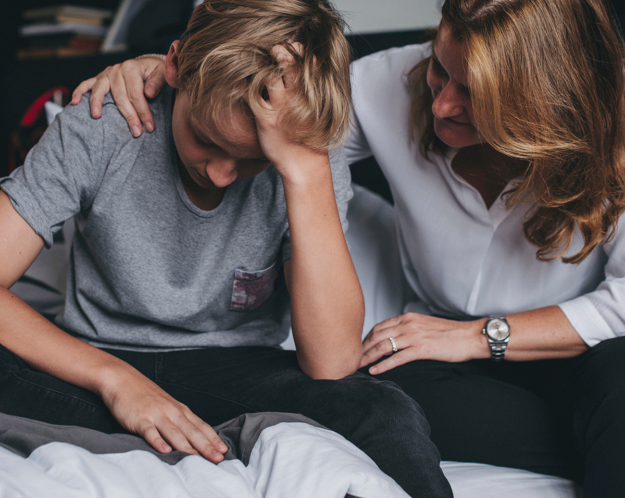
(293, 460)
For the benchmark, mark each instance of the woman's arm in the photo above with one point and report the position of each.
(539, 334)
(561, 331)
(137, 403)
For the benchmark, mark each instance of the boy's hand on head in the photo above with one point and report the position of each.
(287, 156)
(143, 408)
(125, 81)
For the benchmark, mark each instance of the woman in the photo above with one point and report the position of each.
(503, 142)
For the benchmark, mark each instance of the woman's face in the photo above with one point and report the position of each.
(454, 122)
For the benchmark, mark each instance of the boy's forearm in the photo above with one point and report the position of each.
(327, 302)
(47, 348)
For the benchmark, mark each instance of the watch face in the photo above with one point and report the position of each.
(497, 329)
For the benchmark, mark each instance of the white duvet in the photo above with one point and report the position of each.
(292, 460)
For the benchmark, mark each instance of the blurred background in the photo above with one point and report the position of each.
(50, 46)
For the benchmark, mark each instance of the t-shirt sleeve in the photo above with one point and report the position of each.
(600, 314)
(341, 179)
(61, 173)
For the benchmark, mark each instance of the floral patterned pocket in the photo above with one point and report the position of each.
(252, 288)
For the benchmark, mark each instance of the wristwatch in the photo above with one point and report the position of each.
(497, 330)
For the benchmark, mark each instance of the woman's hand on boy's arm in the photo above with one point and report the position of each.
(539, 334)
(129, 83)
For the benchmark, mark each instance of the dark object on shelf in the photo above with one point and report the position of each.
(63, 12)
(157, 24)
(33, 124)
(55, 52)
(62, 31)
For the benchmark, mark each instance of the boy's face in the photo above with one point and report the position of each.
(215, 155)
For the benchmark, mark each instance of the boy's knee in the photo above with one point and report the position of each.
(377, 404)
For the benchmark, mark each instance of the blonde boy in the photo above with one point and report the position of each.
(197, 242)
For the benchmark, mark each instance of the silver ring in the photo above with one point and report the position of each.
(393, 344)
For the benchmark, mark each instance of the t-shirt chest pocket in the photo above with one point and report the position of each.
(252, 288)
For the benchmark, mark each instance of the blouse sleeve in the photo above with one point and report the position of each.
(600, 314)
(356, 147)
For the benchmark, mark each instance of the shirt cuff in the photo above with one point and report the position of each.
(587, 321)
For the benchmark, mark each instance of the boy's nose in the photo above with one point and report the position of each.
(222, 172)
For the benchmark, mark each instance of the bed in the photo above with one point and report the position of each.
(271, 455)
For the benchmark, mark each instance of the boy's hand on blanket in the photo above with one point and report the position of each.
(143, 408)
(422, 337)
(289, 158)
(125, 81)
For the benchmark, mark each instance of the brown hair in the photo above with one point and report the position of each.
(547, 87)
(225, 58)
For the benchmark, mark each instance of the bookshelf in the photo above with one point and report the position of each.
(21, 81)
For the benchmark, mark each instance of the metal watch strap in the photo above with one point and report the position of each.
(498, 350)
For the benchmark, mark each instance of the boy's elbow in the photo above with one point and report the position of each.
(333, 369)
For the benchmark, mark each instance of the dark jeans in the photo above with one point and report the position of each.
(558, 417)
(219, 384)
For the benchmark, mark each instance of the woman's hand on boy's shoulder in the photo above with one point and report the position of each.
(129, 82)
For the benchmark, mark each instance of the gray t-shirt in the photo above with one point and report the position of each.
(148, 269)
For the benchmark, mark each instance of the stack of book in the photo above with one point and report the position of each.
(62, 31)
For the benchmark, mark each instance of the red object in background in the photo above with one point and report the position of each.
(32, 125)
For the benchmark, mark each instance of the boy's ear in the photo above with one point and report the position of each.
(171, 65)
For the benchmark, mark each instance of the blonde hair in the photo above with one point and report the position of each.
(225, 58)
(547, 87)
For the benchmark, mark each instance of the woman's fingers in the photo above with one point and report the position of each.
(123, 88)
(378, 329)
(132, 74)
(125, 81)
(155, 82)
(81, 89)
(379, 348)
(399, 358)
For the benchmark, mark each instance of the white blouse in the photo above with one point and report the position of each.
(461, 259)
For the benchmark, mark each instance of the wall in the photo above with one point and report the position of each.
(374, 16)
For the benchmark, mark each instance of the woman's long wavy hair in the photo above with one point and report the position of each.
(547, 87)
(225, 63)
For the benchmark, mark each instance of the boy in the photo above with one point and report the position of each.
(191, 243)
